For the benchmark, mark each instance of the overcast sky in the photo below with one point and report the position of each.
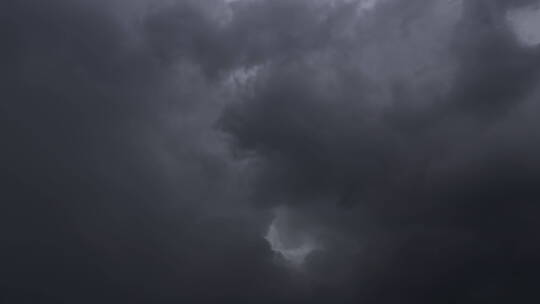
(269, 151)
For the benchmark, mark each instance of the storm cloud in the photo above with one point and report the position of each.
(269, 151)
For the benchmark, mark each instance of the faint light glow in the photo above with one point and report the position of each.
(243, 75)
(294, 246)
(525, 23)
(367, 4)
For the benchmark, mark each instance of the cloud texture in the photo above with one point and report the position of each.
(149, 147)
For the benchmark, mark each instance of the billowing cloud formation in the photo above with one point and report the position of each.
(147, 143)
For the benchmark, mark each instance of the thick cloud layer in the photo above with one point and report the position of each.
(268, 151)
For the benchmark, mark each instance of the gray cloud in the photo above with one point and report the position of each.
(147, 144)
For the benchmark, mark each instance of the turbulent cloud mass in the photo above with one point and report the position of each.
(270, 151)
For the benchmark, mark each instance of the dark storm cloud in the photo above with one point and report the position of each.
(107, 164)
(447, 176)
(245, 33)
(324, 123)
(496, 72)
(316, 122)
(403, 139)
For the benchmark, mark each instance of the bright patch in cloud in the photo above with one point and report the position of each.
(526, 24)
(294, 246)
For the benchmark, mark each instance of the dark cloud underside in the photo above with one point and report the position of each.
(148, 146)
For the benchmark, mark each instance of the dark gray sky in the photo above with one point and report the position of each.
(269, 151)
